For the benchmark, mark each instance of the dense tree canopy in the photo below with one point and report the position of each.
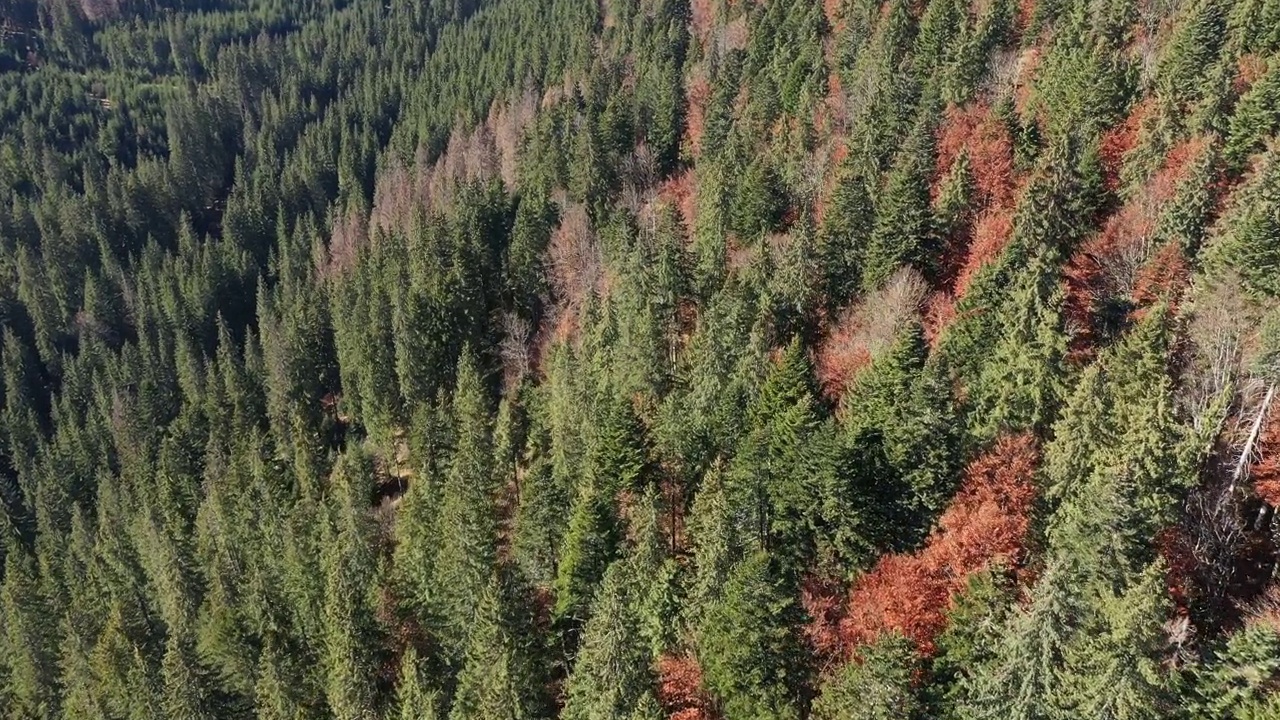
(639, 359)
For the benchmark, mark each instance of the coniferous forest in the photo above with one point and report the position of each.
(639, 359)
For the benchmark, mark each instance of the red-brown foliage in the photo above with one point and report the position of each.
(702, 16)
(975, 129)
(839, 151)
(698, 93)
(991, 233)
(1175, 547)
(508, 122)
(1249, 69)
(939, 312)
(824, 602)
(1028, 66)
(349, 237)
(471, 156)
(1165, 276)
(986, 523)
(1026, 11)
(576, 270)
(1266, 471)
(865, 329)
(831, 116)
(835, 19)
(1266, 609)
(95, 10)
(957, 126)
(681, 192)
(1119, 140)
(680, 689)
(1121, 261)
(400, 628)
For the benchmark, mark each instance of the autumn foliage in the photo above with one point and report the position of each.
(986, 523)
(991, 232)
(698, 94)
(976, 130)
(1266, 471)
(681, 192)
(983, 136)
(680, 689)
(1122, 261)
(1118, 141)
(865, 329)
(576, 271)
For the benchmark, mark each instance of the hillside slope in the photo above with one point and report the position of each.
(691, 359)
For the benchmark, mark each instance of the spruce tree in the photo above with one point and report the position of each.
(496, 681)
(187, 693)
(465, 558)
(611, 674)
(414, 699)
(903, 221)
(879, 684)
(30, 657)
(748, 646)
(350, 640)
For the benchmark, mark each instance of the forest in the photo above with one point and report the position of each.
(639, 359)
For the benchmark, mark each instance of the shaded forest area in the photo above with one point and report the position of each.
(639, 359)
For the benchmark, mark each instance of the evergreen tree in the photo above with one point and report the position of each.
(846, 225)
(186, 686)
(747, 643)
(1021, 383)
(414, 700)
(349, 636)
(611, 675)
(877, 685)
(465, 558)
(30, 657)
(903, 221)
(496, 681)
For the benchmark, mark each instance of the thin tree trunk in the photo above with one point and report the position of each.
(1247, 452)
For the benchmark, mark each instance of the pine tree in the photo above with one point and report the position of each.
(967, 647)
(715, 542)
(1021, 680)
(539, 520)
(757, 205)
(589, 545)
(658, 603)
(276, 694)
(616, 460)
